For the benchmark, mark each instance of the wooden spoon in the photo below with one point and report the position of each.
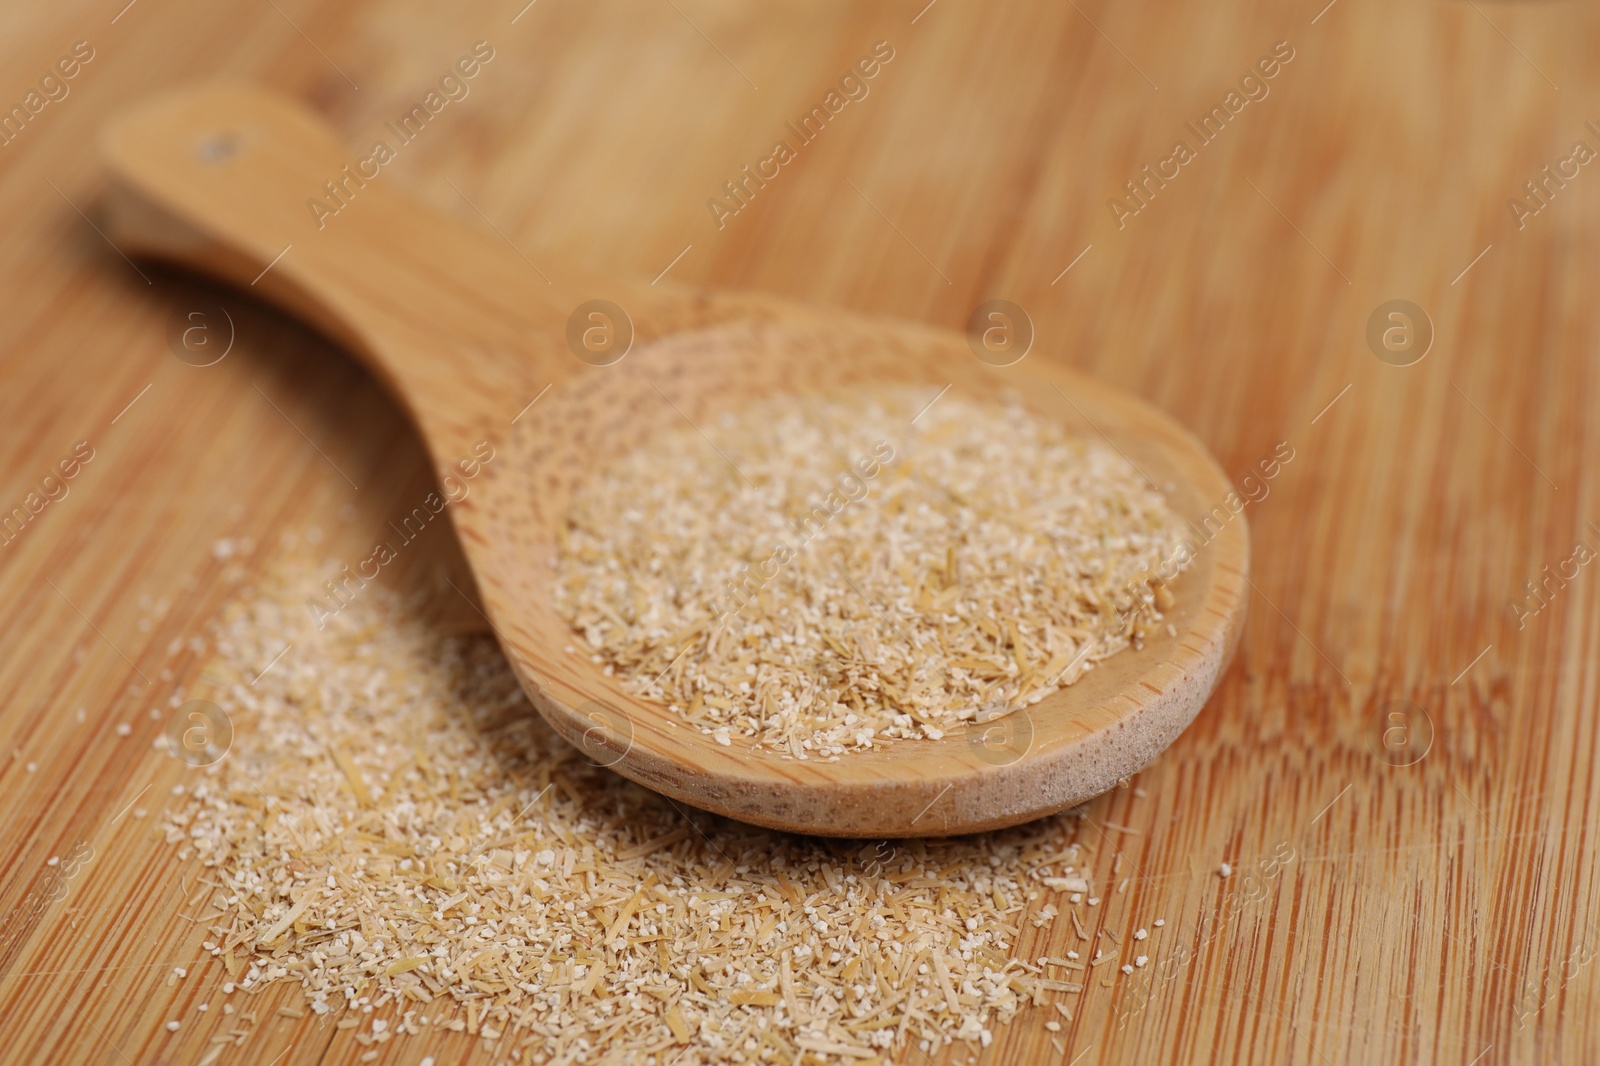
(468, 333)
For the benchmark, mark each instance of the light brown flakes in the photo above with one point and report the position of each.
(821, 576)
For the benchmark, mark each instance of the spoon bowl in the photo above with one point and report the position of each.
(534, 384)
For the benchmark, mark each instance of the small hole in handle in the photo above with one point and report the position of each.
(217, 148)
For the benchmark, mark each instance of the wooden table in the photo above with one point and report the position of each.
(1406, 739)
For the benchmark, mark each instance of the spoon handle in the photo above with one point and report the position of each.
(255, 189)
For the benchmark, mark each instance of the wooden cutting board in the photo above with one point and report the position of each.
(1343, 264)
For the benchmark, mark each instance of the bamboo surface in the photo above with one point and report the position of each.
(1432, 890)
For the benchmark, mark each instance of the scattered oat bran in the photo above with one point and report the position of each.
(500, 886)
(818, 576)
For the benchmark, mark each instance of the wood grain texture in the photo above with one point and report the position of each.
(1434, 912)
